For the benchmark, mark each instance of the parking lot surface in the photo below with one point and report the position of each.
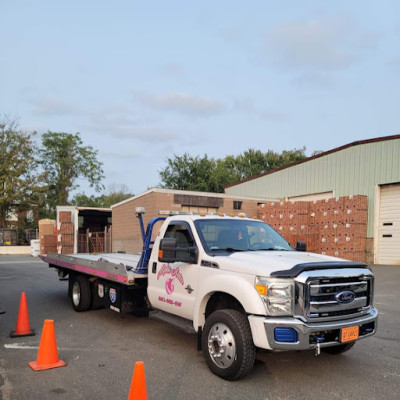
(101, 347)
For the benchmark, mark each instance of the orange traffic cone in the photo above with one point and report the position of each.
(138, 384)
(22, 328)
(48, 354)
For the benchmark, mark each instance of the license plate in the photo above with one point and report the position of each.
(349, 334)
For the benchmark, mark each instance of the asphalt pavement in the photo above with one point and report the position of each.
(101, 348)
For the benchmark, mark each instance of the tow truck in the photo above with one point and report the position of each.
(232, 281)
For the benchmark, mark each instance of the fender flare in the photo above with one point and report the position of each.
(241, 289)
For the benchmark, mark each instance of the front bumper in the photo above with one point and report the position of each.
(309, 335)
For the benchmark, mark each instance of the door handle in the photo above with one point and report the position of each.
(154, 268)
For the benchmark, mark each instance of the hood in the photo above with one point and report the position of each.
(263, 263)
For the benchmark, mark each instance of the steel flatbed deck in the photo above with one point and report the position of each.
(117, 267)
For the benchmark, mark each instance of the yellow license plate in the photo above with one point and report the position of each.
(349, 334)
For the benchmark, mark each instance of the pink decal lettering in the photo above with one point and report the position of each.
(174, 273)
(165, 269)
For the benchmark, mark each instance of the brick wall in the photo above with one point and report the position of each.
(126, 234)
(336, 227)
(249, 207)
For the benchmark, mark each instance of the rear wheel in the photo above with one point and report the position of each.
(341, 348)
(228, 344)
(80, 293)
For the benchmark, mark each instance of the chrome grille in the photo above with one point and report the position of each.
(327, 298)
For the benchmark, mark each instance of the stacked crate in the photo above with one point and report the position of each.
(65, 233)
(47, 236)
(336, 226)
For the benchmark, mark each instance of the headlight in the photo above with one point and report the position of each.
(277, 294)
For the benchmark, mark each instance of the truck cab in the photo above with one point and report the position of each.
(242, 286)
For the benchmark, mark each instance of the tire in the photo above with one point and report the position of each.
(228, 344)
(80, 293)
(341, 348)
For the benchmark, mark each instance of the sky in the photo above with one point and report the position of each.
(142, 81)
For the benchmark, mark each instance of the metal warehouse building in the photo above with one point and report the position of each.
(368, 167)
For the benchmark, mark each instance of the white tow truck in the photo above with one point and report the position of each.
(233, 281)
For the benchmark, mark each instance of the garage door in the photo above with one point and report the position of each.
(389, 225)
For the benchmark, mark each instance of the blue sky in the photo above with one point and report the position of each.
(142, 81)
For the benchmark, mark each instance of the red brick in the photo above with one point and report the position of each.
(64, 216)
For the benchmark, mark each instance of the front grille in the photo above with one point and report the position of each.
(328, 298)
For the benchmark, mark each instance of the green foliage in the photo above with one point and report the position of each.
(189, 173)
(66, 159)
(20, 185)
(104, 201)
(212, 175)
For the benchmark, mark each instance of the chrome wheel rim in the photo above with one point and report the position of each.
(76, 294)
(221, 345)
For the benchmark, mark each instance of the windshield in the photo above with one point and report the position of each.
(231, 235)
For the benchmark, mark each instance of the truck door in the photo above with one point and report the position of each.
(172, 286)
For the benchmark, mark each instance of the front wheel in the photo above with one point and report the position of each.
(341, 348)
(228, 344)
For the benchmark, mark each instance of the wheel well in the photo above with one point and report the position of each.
(220, 301)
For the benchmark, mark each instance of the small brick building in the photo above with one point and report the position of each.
(126, 234)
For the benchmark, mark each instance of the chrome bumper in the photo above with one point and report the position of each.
(312, 335)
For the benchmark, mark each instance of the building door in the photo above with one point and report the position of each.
(388, 251)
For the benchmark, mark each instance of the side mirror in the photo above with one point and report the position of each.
(192, 256)
(167, 250)
(301, 246)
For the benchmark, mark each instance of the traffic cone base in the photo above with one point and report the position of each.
(138, 385)
(14, 334)
(47, 357)
(23, 328)
(36, 367)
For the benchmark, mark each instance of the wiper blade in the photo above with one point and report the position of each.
(228, 249)
(271, 249)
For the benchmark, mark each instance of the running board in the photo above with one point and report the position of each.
(179, 322)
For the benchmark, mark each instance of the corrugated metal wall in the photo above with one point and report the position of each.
(355, 170)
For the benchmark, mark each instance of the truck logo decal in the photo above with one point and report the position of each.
(173, 273)
(169, 286)
(189, 289)
(345, 296)
(113, 295)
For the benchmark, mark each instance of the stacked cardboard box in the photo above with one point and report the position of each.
(47, 236)
(336, 226)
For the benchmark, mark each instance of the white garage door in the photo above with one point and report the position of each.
(389, 225)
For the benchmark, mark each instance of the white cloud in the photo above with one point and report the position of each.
(132, 130)
(112, 119)
(53, 107)
(181, 103)
(319, 44)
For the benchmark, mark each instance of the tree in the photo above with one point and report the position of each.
(115, 196)
(204, 174)
(189, 173)
(20, 185)
(66, 159)
(105, 201)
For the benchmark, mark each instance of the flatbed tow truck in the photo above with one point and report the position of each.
(235, 283)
